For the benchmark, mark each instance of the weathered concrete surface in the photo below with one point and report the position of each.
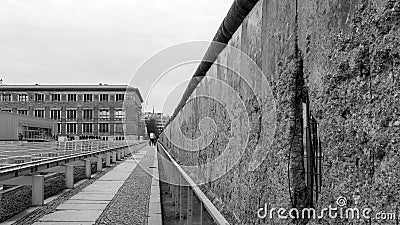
(347, 54)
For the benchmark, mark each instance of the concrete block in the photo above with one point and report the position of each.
(118, 155)
(108, 159)
(114, 156)
(88, 168)
(99, 163)
(37, 190)
(69, 176)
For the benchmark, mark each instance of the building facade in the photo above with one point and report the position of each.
(14, 127)
(160, 119)
(109, 112)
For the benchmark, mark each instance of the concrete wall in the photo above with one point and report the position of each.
(347, 53)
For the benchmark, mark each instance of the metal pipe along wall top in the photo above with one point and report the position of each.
(235, 17)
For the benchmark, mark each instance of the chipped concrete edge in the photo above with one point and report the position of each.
(154, 215)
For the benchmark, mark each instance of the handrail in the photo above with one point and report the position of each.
(210, 207)
(235, 17)
(30, 165)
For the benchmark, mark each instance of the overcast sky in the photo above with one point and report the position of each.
(101, 41)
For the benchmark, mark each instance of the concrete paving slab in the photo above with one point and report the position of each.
(72, 216)
(93, 196)
(155, 219)
(82, 206)
(155, 182)
(155, 207)
(63, 223)
(79, 201)
(154, 216)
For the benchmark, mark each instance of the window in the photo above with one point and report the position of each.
(87, 114)
(87, 128)
(71, 97)
(130, 97)
(103, 97)
(87, 97)
(104, 114)
(119, 97)
(39, 97)
(118, 128)
(6, 98)
(59, 128)
(71, 114)
(55, 97)
(103, 127)
(55, 114)
(22, 97)
(39, 113)
(71, 128)
(23, 112)
(119, 114)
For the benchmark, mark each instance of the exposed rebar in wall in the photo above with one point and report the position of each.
(297, 168)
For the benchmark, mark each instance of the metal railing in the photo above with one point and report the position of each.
(178, 179)
(15, 153)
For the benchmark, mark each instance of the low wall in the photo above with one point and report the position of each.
(14, 200)
(346, 56)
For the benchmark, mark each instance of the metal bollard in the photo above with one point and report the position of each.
(37, 190)
(69, 176)
(88, 168)
(108, 159)
(99, 163)
(114, 157)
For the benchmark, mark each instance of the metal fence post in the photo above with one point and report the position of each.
(189, 206)
(201, 212)
(180, 200)
(176, 191)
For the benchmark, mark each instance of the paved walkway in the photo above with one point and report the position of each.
(121, 196)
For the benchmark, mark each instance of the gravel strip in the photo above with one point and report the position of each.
(130, 204)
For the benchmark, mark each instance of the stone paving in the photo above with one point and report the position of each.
(121, 196)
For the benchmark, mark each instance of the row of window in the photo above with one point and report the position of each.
(57, 97)
(87, 128)
(72, 114)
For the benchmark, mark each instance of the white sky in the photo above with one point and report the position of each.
(101, 41)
